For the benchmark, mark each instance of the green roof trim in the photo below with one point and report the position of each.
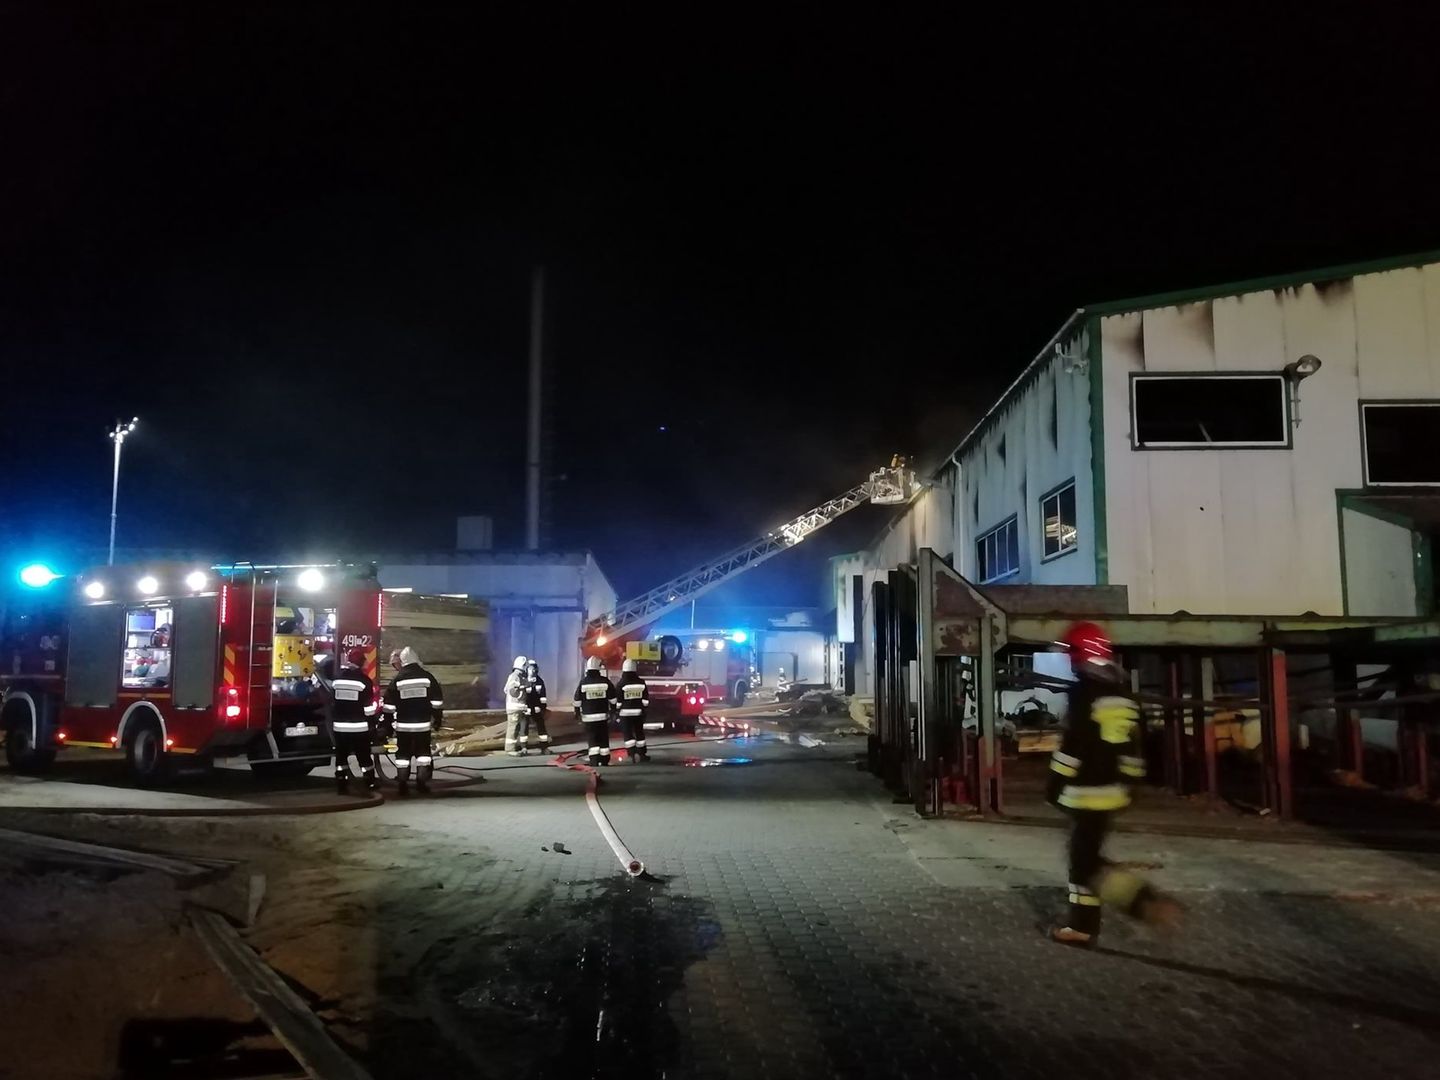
(1277, 281)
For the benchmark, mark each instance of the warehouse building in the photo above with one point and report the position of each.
(1255, 448)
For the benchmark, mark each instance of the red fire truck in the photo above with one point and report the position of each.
(181, 663)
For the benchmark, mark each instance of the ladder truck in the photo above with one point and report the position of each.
(678, 696)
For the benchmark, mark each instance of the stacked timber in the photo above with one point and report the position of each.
(452, 636)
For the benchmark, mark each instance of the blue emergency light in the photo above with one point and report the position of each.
(739, 637)
(37, 575)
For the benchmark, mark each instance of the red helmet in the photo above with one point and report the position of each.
(1090, 646)
(356, 657)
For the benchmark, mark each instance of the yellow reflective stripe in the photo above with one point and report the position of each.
(1065, 759)
(1084, 900)
(1132, 766)
(1064, 770)
(1101, 797)
(1116, 717)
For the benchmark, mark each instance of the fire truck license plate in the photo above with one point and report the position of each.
(302, 729)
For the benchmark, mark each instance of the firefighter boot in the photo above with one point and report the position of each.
(342, 782)
(402, 778)
(422, 778)
(1064, 935)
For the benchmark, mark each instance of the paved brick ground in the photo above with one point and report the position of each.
(797, 924)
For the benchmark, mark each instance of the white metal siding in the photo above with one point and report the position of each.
(994, 487)
(1255, 531)
(1379, 566)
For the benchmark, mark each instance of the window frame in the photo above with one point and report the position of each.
(1361, 405)
(1013, 521)
(1155, 376)
(1055, 493)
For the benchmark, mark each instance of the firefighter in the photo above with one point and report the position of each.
(516, 711)
(594, 698)
(352, 720)
(416, 701)
(537, 703)
(1100, 752)
(634, 700)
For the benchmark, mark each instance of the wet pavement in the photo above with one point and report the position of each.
(789, 927)
(793, 922)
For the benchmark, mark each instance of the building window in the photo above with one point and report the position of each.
(1209, 411)
(997, 553)
(1057, 515)
(1399, 439)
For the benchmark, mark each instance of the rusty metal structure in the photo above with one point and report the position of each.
(941, 652)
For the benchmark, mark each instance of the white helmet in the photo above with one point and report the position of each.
(628, 665)
(409, 656)
(593, 664)
(519, 662)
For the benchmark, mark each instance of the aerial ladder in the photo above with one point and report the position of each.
(890, 485)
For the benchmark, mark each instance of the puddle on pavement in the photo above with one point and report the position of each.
(706, 762)
(579, 986)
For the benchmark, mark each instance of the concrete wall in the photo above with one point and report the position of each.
(1256, 531)
(539, 605)
(806, 647)
(1039, 440)
(1379, 566)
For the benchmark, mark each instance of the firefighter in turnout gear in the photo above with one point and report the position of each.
(634, 700)
(594, 698)
(416, 701)
(1100, 752)
(516, 711)
(536, 702)
(352, 720)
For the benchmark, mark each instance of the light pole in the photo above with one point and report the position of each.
(117, 436)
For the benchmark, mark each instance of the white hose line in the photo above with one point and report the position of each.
(633, 866)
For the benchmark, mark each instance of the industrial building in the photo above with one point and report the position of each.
(1221, 475)
(539, 601)
(1254, 448)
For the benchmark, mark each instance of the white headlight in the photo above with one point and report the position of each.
(95, 590)
(196, 580)
(311, 580)
(147, 585)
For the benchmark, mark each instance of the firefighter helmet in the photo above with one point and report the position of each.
(593, 664)
(1090, 651)
(355, 657)
(519, 662)
(628, 665)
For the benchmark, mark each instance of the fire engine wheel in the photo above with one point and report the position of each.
(737, 698)
(145, 752)
(20, 751)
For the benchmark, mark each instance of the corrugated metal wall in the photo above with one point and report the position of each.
(1256, 531)
(1040, 440)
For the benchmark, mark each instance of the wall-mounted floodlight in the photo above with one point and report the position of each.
(1296, 372)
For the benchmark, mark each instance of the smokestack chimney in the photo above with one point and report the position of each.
(532, 441)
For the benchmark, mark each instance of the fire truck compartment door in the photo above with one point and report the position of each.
(92, 672)
(193, 668)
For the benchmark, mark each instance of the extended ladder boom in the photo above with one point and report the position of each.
(890, 485)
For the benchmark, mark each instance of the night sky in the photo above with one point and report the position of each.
(296, 240)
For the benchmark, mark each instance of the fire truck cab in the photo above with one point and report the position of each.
(178, 663)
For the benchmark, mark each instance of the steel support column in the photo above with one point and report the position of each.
(1275, 723)
(1174, 728)
(1205, 725)
(992, 799)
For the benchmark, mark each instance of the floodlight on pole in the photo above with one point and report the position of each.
(117, 436)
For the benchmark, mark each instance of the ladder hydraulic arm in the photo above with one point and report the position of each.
(890, 485)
